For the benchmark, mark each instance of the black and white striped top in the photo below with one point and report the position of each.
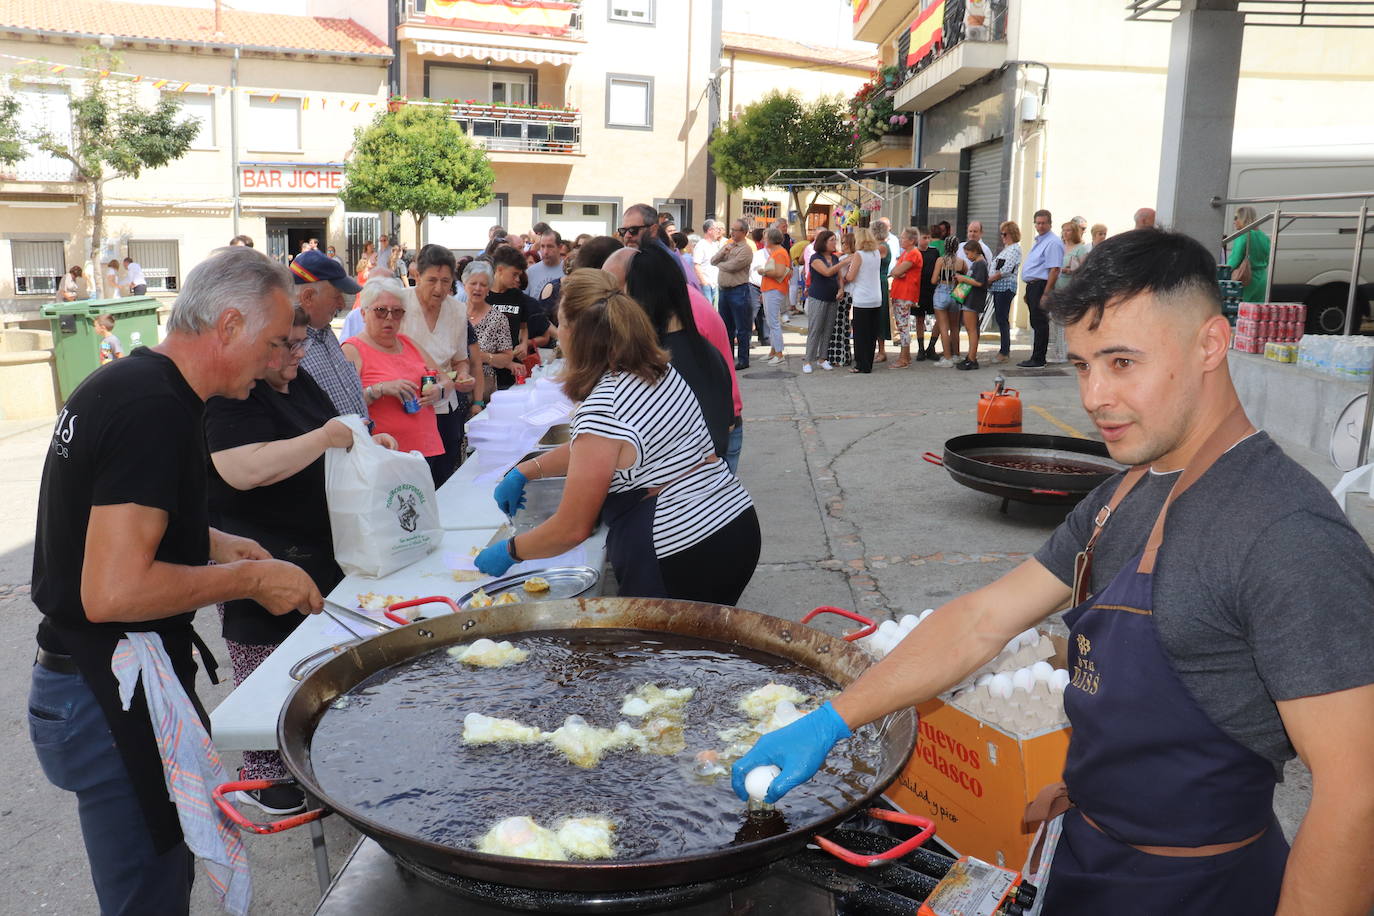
(664, 424)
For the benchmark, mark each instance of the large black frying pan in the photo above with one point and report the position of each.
(827, 655)
(976, 461)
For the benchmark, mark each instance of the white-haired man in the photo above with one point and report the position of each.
(319, 286)
(708, 274)
(124, 549)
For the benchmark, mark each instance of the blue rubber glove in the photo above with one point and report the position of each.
(495, 560)
(798, 750)
(510, 492)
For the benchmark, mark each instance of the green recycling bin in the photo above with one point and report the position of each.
(76, 345)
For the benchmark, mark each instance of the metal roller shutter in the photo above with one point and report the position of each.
(985, 189)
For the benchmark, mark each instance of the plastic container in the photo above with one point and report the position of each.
(76, 345)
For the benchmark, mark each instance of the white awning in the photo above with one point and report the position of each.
(488, 52)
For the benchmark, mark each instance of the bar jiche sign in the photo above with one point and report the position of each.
(291, 177)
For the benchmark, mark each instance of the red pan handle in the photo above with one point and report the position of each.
(1051, 492)
(896, 852)
(248, 785)
(416, 602)
(870, 627)
(934, 458)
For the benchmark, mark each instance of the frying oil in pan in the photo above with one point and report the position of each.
(392, 748)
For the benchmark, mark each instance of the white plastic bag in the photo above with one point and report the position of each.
(381, 505)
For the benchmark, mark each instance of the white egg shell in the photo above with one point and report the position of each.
(1042, 671)
(757, 781)
(1023, 679)
(1059, 680)
(889, 628)
(926, 613)
(1000, 686)
(909, 622)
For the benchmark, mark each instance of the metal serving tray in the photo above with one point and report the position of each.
(564, 582)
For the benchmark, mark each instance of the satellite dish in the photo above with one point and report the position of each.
(1345, 438)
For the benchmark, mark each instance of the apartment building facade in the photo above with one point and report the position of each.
(278, 96)
(584, 108)
(1059, 104)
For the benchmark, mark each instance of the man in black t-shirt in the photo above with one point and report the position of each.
(123, 544)
(930, 265)
(529, 319)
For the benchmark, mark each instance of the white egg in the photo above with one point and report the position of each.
(889, 628)
(1059, 680)
(908, 622)
(926, 613)
(757, 781)
(1042, 671)
(1023, 679)
(984, 680)
(1000, 686)
(635, 706)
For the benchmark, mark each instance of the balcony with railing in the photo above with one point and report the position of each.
(521, 130)
(498, 20)
(948, 45)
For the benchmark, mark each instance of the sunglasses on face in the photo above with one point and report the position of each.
(382, 311)
(630, 230)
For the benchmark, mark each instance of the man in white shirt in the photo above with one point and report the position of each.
(548, 269)
(975, 234)
(138, 286)
(708, 273)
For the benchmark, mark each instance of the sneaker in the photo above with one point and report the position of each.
(774, 360)
(806, 368)
(274, 799)
(968, 364)
(825, 364)
(944, 364)
(740, 367)
(1031, 364)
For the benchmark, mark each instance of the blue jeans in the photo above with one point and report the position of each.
(737, 311)
(734, 446)
(712, 294)
(1001, 310)
(78, 754)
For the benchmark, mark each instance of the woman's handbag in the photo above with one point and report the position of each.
(1242, 272)
(381, 505)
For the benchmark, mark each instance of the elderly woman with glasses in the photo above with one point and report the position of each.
(393, 368)
(490, 325)
(267, 483)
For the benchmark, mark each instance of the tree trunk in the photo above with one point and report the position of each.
(419, 218)
(95, 212)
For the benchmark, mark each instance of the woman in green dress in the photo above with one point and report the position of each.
(1254, 245)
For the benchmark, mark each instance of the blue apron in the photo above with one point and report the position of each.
(1146, 765)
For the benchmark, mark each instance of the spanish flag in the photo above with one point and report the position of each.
(926, 31)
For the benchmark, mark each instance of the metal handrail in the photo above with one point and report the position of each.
(1330, 195)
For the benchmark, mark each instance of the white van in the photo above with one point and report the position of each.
(1312, 257)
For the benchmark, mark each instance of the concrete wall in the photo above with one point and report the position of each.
(190, 200)
(1269, 390)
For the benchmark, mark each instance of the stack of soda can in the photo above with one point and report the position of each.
(1258, 323)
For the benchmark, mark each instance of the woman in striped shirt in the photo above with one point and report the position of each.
(641, 458)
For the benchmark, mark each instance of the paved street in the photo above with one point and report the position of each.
(851, 516)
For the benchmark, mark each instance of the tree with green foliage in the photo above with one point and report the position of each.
(781, 131)
(115, 136)
(11, 134)
(416, 160)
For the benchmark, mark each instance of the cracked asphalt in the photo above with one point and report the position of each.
(851, 515)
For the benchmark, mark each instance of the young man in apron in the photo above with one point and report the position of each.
(1222, 620)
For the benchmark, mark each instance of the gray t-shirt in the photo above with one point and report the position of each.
(540, 275)
(1262, 589)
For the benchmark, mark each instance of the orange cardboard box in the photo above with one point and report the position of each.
(974, 779)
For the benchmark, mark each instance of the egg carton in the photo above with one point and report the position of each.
(1023, 702)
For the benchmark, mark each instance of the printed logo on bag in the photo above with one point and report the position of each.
(405, 501)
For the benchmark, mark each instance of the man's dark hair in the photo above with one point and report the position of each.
(1045, 213)
(435, 256)
(508, 256)
(665, 217)
(756, 234)
(540, 228)
(1163, 264)
(646, 213)
(594, 252)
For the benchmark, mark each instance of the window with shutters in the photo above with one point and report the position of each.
(761, 211)
(160, 262)
(640, 12)
(273, 126)
(199, 106)
(629, 101)
(38, 267)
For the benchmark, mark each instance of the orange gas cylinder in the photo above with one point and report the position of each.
(999, 411)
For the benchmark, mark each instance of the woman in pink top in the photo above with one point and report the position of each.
(391, 367)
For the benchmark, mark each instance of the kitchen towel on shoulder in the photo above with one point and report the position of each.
(382, 509)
